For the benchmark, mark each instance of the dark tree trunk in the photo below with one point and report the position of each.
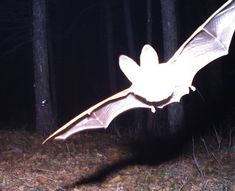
(213, 78)
(129, 31)
(109, 32)
(52, 75)
(138, 115)
(215, 74)
(169, 27)
(169, 30)
(110, 55)
(44, 114)
(150, 116)
(149, 21)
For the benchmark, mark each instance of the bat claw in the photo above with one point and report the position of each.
(193, 88)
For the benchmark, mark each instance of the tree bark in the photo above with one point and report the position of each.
(169, 30)
(150, 116)
(138, 115)
(149, 21)
(43, 108)
(215, 74)
(109, 32)
(110, 55)
(129, 31)
(169, 27)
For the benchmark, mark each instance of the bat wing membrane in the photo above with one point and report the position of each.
(100, 115)
(209, 42)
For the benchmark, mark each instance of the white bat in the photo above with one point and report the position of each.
(156, 85)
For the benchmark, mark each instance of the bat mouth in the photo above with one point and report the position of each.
(163, 102)
(156, 104)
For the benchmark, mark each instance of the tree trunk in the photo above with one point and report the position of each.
(149, 21)
(112, 72)
(138, 115)
(129, 31)
(169, 30)
(213, 78)
(169, 27)
(52, 74)
(150, 116)
(215, 74)
(109, 32)
(44, 115)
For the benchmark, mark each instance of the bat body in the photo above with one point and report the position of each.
(156, 85)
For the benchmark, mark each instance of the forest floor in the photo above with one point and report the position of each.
(100, 161)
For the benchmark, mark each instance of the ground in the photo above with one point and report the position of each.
(100, 161)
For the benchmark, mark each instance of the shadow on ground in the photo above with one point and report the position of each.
(144, 152)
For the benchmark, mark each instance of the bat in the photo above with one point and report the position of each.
(155, 85)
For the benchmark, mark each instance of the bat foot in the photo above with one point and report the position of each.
(193, 88)
(153, 109)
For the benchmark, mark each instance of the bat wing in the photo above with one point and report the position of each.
(101, 114)
(209, 42)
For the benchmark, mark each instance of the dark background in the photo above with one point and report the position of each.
(78, 56)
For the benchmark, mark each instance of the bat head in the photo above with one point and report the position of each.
(150, 80)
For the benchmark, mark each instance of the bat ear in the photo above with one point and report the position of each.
(129, 68)
(148, 57)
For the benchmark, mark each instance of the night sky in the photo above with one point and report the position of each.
(78, 53)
